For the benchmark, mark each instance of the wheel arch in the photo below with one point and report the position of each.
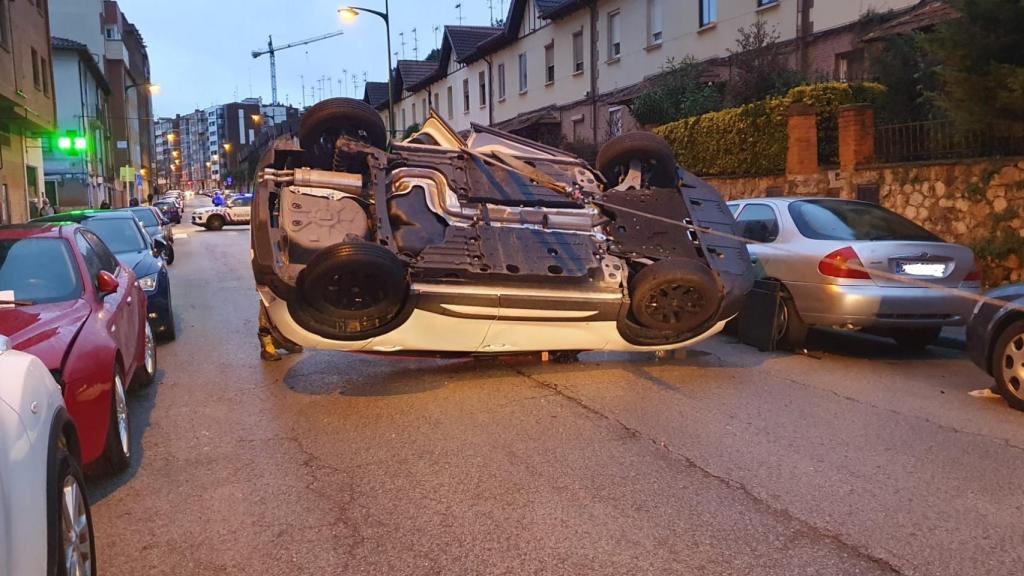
(998, 327)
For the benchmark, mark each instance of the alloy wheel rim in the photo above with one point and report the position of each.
(121, 409)
(781, 321)
(150, 351)
(75, 534)
(672, 303)
(1013, 366)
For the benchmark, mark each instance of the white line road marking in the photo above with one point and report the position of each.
(176, 236)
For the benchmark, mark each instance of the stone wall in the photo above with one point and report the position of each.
(978, 203)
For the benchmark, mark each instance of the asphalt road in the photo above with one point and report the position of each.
(722, 460)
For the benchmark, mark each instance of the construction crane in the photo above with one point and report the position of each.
(273, 50)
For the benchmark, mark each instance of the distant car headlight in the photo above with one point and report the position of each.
(148, 283)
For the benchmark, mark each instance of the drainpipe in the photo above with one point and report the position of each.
(593, 69)
(490, 91)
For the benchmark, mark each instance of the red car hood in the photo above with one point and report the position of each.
(44, 330)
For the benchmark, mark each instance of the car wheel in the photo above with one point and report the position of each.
(169, 254)
(675, 295)
(334, 118)
(214, 223)
(915, 339)
(355, 287)
(1008, 364)
(117, 454)
(72, 549)
(790, 328)
(658, 161)
(147, 372)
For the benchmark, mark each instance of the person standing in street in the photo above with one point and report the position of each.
(46, 209)
(218, 200)
(133, 202)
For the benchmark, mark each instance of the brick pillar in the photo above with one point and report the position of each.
(802, 132)
(856, 136)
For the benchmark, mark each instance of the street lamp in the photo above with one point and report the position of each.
(349, 13)
(153, 90)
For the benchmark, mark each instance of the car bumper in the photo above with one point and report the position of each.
(158, 309)
(879, 306)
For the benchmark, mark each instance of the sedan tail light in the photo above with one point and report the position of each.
(974, 275)
(843, 263)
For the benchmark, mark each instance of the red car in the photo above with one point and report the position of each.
(65, 299)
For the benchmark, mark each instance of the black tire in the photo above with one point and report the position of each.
(169, 254)
(676, 296)
(66, 470)
(1010, 387)
(144, 377)
(215, 223)
(659, 162)
(915, 339)
(354, 286)
(116, 458)
(331, 119)
(791, 330)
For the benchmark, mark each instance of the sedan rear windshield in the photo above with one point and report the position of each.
(846, 220)
(119, 234)
(147, 217)
(39, 270)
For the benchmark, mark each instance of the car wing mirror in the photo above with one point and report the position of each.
(106, 283)
(159, 245)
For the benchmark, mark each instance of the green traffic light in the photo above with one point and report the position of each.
(64, 143)
(80, 143)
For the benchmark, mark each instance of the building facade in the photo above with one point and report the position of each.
(566, 70)
(131, 107)
(27, 111)
(167, 152)
(79, 176)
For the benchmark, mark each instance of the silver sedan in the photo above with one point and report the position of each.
(855, 265)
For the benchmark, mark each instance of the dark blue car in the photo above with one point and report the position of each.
(995, 341)
(128, 240)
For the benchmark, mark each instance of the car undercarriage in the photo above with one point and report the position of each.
(486, 245)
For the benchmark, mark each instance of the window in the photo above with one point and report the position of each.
(39, 270)
(36, 76)
(522, 73)
(111, 33)
(107, 259)
(549, 63)
(763, 3)
(405, 124)
(44, 65)
(501, 81)
(482, 80)
(757, 222)
(451, 103)
(708, 12)
(4, 25)
(414, 112)
(436, 105)
(426, 110)
(614, 35)
(577, 52)
(654, 22)
(615, 121)
(843, 220)
(465, 95)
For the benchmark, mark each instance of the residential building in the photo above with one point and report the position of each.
(167, 151)
(195, 151)
(566, 70)
(27, 111)
(78, 175)
(131, 107)
(230, 127)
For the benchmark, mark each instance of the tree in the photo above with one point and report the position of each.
(759, 66)
(907, 72)
(434, 55)
(680, 92)
(981, 71)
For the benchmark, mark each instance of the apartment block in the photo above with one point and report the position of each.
(27, 110)
(566, 70)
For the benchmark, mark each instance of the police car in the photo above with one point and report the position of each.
(236, 211)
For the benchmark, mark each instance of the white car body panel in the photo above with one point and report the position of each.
(30, 400)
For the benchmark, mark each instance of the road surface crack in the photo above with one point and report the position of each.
(730, 482)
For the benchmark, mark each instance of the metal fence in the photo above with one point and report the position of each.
(939, 140)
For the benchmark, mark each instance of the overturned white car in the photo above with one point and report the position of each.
(492, 244)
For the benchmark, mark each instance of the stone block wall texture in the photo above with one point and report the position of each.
(978, 203)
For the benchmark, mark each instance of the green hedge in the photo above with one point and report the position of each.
(751, 140)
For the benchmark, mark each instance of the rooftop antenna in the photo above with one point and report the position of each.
(344, 73)
(341, 86)
(415, 45)
(437, 28)
(490, 8)
(330, 87)
(459, 8)
(303, 80)
(355, 83)
(401, 36)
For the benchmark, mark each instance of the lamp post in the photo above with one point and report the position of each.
(352, 12)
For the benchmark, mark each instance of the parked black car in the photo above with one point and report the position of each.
(169, 209)
(995, 341)
(157, 227)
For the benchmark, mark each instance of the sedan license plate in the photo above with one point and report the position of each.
(928, 269)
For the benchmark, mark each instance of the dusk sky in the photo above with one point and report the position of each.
(200, 50)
